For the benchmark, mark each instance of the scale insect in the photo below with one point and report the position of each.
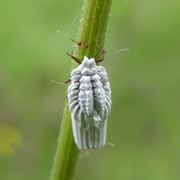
(89, 100)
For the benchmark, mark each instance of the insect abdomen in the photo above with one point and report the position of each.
(91, 138)
(89, 99)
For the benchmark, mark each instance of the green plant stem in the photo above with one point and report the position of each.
(90, 39)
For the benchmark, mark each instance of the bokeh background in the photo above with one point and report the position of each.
(144, 126)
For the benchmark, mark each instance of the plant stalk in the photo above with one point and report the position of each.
(90, 42)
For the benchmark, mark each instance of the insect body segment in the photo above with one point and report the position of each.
(89, 99)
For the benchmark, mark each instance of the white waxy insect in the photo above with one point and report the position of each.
(89, 99)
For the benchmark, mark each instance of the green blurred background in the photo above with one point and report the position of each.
(144, 125)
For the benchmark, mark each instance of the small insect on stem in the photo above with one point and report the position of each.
(89, 100)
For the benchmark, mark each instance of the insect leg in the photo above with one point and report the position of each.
(101, 52)
(67, 82)
(75, 58)
(80, 44)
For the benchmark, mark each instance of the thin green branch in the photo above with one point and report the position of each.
(90, 42)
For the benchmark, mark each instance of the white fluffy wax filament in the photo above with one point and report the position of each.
(89, 99)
